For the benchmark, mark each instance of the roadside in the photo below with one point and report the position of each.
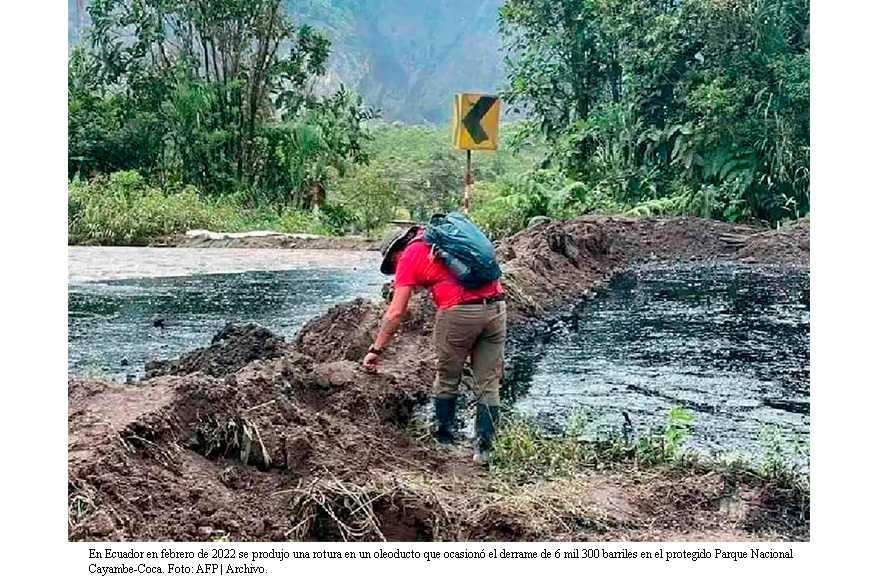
(258, 437)
(265, 239)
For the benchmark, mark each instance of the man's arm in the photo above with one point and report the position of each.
(391, 322)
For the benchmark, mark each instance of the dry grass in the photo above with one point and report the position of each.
(443, 507)
(80, 502)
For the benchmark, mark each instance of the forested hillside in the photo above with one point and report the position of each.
(405, 57)
(246, 114)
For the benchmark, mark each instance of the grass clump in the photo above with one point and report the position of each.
(523, 448)
(525, 451)
(123, 209)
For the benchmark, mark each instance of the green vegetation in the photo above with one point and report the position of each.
(411, 173)
(122, 209)
(219, 95)
(523, 447)
(697, 107)
(523, 450)
(645, 107)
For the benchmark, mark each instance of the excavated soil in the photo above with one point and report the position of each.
(231, 349)
(257, 438)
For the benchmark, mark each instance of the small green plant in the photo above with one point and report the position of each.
(775, 463)
(677, 430)
(665, 445)
(734, 461)
(578, 421)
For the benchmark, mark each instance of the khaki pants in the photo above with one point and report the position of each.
(478, 330)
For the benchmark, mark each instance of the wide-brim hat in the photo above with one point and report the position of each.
(394, 244)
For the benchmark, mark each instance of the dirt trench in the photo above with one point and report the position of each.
(260, 438)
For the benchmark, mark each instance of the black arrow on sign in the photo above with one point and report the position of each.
(471, 121)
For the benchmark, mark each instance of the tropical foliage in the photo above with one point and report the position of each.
(702, 104)
(647, 107)
(220, 95)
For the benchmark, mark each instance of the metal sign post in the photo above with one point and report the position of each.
(475, 126)
(466, 201)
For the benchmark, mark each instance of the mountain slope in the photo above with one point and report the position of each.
(406, 57)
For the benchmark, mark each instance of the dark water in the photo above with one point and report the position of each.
(727, 342)
(112, 321)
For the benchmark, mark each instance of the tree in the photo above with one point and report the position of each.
(554, 60)
(230, 85)
(370, 195)
(647, 99)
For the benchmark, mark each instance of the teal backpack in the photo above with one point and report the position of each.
(466, 250)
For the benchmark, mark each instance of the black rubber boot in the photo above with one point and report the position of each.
(445, 416)
(485, 426)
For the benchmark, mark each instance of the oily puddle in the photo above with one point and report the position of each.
(728, 342)
(111, 324)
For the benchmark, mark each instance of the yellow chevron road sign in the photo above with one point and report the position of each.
(475, 121)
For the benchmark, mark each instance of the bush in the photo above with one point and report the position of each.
(123, 209)
(298, 221)
(721, 202)
(505, 207)
(368, 196)
(500, 216)
(336, 219)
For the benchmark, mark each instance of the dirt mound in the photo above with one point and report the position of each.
(255, 439)
(549, 264)
(345, 332)
(177, 462)
(233, 347)
(789, 245)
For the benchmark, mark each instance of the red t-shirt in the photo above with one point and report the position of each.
(418, 267)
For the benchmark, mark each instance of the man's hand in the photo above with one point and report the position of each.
(392, 320)
(371, 360)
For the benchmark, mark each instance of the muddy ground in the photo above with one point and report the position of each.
(264, 438)
(270, 240)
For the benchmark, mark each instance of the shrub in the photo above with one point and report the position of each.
(123, 209)
(665, 445)
(500, 217)
(298, 221)
(368, 196)
(504, 207)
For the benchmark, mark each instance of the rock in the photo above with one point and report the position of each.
(539, 220)
(204, 531)
(101, 524)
